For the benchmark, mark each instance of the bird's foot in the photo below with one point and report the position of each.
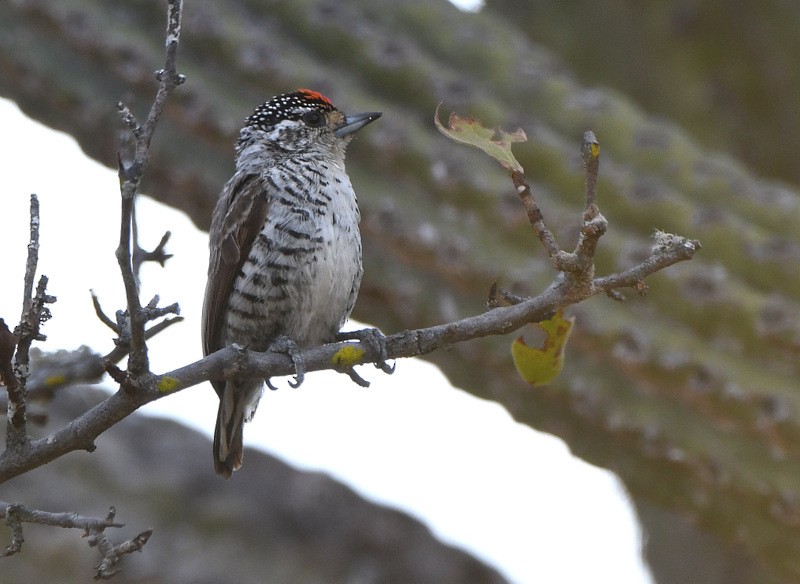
(289, 347)
(376, 340)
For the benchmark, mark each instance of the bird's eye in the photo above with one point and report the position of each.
(314, 119)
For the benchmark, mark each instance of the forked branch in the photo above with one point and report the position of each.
(130, 175)
(93, 527)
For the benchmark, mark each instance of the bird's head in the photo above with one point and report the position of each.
(301, 121)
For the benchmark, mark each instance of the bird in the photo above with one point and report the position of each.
(284, 247)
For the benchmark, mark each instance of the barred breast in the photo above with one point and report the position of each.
(302, 274)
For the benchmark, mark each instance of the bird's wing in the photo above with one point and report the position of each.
(238, 218)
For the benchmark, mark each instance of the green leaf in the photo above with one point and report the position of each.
(539, 366)
(496, 143)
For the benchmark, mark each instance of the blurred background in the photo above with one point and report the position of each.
(690, 394)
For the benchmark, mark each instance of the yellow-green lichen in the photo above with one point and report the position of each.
(346, 357)
(55, 380)
(167, 384)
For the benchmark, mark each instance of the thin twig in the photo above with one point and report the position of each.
(152, 311)
(16, 407)
(113, 554)
(98, 310)
(130, 178)
(96, 537)
(590, 155)
(141, 255)
(11, 513)
(535, 216)
(33, 257)
(94, 527)
(678, 249)
(594, 224)
(28, 326)
(34, 312)
(138, 359)
(27, 332)
(121, 350)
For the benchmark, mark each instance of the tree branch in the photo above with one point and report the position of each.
(234, 361)
(130, 178)
(24, 333)
(667, 249)
(53, 371)
(94, 527)
(141, 256)
(16, 406)
(34, 313)
(130, 327)
(112, 553)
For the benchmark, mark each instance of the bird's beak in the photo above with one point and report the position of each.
(356, 122)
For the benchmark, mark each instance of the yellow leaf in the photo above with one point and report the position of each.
(539, 366)
(496, 143)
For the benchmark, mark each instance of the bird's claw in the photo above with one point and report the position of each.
(376, 341)
(289, 347)
(357, 379)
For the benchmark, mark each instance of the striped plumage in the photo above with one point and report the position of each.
(285, 249)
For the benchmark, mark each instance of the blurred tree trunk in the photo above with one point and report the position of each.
(690, 394)
(728, 74)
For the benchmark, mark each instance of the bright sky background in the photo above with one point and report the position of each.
(510, 495)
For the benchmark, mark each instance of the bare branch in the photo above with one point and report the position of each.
(98, 310)
(535, 217)
(121, 350)
(152, 310)
(146, 313)
(140, 255)
(668, 249)
(29, 329)
(33, 257)
(16, 432)
(128, 119)
(123, 336)
(130, 324)
(590, 155)
(578, 265)
(13, 522)
(235, 362)
(130, 178)
(94, 527)
(594, 224)
(506, 298)
(16, 407)
(51, 371)
(112, 554)
(34, 313)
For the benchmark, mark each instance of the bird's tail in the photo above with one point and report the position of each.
(236, 406)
